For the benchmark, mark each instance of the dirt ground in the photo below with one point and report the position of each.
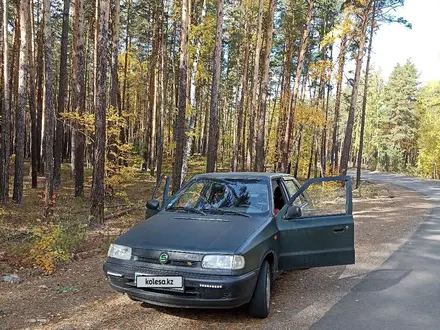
(79, 297)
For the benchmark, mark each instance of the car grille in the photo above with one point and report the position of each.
(179, 259)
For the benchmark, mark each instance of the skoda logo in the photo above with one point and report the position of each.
(163, 258)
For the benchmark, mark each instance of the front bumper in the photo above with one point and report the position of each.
(234, 291)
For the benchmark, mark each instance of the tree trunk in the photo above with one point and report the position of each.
(6, 114)
(284, 101)
(354, 95)
(115, 53)
(124, 106)
(20, 114)
(335, 137)
(260, 155)
(40, 91)
(49, 105)
(97, 208)
(364, 101)
(253, 106)
(78, 96)
(62, 96)
(112, 144)
(32, 108)
(162, 99)
(213, 109)
(193, 100)
(180, 121)
(299, 67)
(238, 145)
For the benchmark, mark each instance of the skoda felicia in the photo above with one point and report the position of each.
(221, 241)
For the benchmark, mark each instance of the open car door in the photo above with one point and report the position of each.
(153, 206)
(316, 226)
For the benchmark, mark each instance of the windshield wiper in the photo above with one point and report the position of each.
(223, 211)
(186, 209)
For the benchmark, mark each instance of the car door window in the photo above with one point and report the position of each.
(326, 199)
(279, 199)
(292, 188)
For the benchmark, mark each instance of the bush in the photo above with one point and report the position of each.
(54, 244)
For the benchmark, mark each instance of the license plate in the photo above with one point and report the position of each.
(165, 282)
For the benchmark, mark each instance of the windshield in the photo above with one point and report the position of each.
(239, 197)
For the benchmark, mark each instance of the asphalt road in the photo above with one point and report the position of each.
(404, 293)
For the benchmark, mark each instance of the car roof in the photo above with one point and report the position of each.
(240, 175)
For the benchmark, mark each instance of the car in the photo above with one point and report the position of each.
(223, 238)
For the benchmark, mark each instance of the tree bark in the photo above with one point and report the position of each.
(354, 95)
(6, 114)
(124, 107)
(238, 143)
(193, 100)
(299, 67)
(260, 154)
(78, 96)
(284, 101)
(335, 137)
(213, 109)
(20, 114)
(364, 101)
(97, 208)
(49, 105)
(180, 121)
(32, 108)
(62, 96)
(162, 99)
(112, 143)
(40, 91)
(253, 106)
(115, 53)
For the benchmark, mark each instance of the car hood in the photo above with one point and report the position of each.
(178, 231)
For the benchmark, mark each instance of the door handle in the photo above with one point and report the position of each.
(338, 230)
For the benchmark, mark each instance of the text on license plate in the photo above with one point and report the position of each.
(147, 281)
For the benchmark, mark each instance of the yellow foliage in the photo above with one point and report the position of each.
(46, 252)
(308, 115)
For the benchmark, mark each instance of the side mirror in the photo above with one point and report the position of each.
(293, 212)
(153, 205)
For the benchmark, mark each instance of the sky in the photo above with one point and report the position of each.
(395, 43)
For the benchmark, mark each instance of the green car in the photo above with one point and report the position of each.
(223, 238)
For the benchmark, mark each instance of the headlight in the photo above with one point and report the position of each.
(223, 262)
(119, 252)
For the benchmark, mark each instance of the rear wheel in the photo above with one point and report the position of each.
(259, 306)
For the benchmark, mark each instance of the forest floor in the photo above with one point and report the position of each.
(77, 295)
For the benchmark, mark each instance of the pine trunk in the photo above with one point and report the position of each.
(260, 155)
(97, 208)
(364, 101)
(213, 109)
(180, 120)
(354, 95)
(335, 137)
(299, 68)
(238, 145)
(40, 91)
(62, 96)
(20, 114)
(253, 102)
(193, 100)
(78, 96)
(6, 114)
(49, 105)
(32, 108)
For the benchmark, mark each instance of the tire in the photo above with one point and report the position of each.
(259, 306)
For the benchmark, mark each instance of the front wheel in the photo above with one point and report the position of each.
(259, 305)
